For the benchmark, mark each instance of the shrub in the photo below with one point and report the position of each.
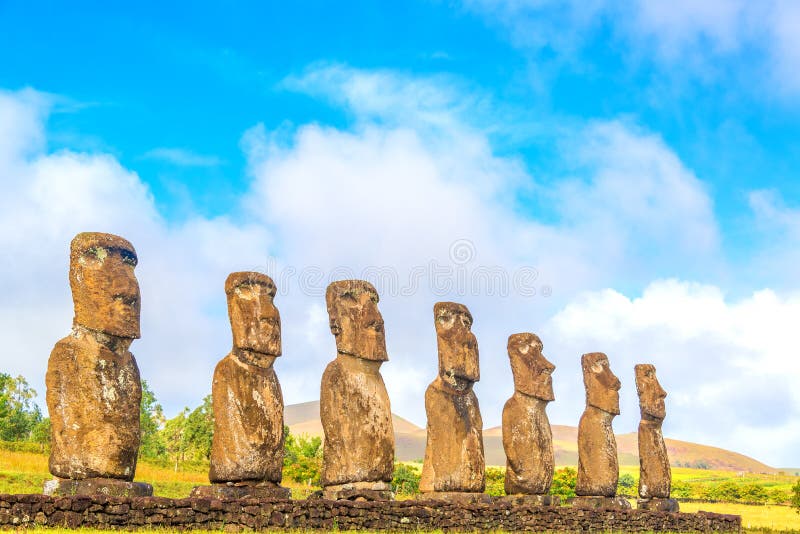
(779, 496)
(495, 481)
(682, 490)
(564, 481)
(725, 491)
(405, 480)
(754, 493)
(626, 484)
(794, 501)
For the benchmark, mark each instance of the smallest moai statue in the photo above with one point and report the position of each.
(527, 437)
(598, 466)
(247, 447)
(655, 475)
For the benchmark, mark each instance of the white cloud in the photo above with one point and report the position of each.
(182, 157)
(728, 365)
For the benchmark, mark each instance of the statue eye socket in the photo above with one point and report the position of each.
(93, 253)
(128, 258)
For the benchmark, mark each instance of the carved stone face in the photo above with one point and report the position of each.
(458, 347)
(105, 291)
(651, 394)
(255, 321)
(602, 386)
(355, 320)
(532, 372)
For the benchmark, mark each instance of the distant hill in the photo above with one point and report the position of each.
(303, 418)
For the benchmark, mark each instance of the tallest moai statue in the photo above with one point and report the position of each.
(358, 457)
(93, 385)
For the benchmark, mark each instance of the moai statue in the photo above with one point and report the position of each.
(358, 452)
(454, 462)
(93, 385)
(527, 437)
(655, 474)
(247, 446)
(598, 467)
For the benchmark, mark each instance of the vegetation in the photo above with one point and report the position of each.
(405, 480)
(20, 417)
(302, 460)
(564, 480)
(184, 440)
(495, 481)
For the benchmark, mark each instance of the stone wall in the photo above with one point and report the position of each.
(108, 513)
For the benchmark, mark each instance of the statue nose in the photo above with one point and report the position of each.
(125, 286)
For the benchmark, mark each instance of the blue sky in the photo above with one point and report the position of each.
(641, 156)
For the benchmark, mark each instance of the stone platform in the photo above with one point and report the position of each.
(110, 487)
(356, 491)
(22, 511)
(599, 503)
(663, 505)
(241, 491)
(529, 500)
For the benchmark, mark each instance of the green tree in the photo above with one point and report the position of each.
(302, 459)
(200, 430)
(41, 434)
(151, 420)
(795, 497)
(405, 480)
(564, 481)
(174, 436)
(19, 414)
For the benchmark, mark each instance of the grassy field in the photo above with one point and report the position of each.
(710, 476)
(766, 516)
(25, 472)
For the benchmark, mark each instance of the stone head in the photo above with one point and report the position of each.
(458, 347)
(651, 394)
(255, 321)
(533, 374)
(355, 320)
(105, 291)
(602, 386)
